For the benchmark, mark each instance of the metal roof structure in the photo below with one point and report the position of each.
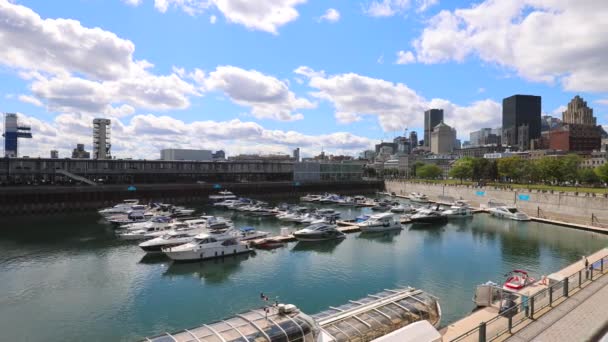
(358, 321)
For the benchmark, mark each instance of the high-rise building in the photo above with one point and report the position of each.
(80, 153)
(54, 154)
(296, 154)
(578, 113)
(443, 138)
(12, 132)
(413, 139)
(219, 155)
(518, 111)
(101, 139)
(432, 118)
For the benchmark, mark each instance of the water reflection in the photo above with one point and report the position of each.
(317, 246)
(214, 271)
(382, 237)
(152, 259)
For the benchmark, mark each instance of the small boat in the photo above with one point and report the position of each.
(146, 233)
(249, 233)
(379, 223)
(401, 208)
(319, 232)
(222, 195)
(214, 222)
(429, 216)
(458, 212)
(509, 212)
(381, 206)
(269, 244)
(121, 208)
(311, 198)
(226, 203)
(131, 217)
(214, 244)
(418, 197)
(517, 280)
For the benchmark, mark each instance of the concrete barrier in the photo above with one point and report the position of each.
(563, 206)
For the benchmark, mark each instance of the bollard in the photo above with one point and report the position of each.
(482, 332)
(510, 323)
(565, 287)
(531, 316)
(580, 280)
(551, 295)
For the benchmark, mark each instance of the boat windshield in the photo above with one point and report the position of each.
(512, 210)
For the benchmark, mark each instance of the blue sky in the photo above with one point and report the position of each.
(270, 75)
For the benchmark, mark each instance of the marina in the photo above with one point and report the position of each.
(146, 294)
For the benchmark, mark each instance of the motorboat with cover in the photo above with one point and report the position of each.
(509, 212)
(364, 319)
(401, 208)
(217, 222)
(517, 280)
(458, 212)
(209, 245)
(170, 239)
(222, 195)
(120, 208)
(319, 232)
(379, 223)
(418, 197)
(249, 233)
(429, 215)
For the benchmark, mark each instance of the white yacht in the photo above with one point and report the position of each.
(418, 197)
(222, 196)
(226, 203)
(379, 223)
(156, 221)
(135, 215)
(509, 212)
(250, 233)
(121, 208)
(170, 239)
(215, 222)
(319, 232)
(401, 208)
(209, 245)
(311, 198)
(144, 233)
(456, 211)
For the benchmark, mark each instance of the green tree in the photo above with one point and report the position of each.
(569, 167)
(588, 176)
(429, 171)
(549, 169)
(602, 172)
(480, 166)
(511, 168)
(415, 168)
(462, 169)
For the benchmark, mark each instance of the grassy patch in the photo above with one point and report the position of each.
(545, 187)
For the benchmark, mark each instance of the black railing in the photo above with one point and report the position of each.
(526, 309)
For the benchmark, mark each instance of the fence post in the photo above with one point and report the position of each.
(550, 295)
(565, 287)
(531, 314)
(482, 332)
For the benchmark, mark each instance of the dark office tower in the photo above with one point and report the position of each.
(520, 113)
(413, 139)
(432, 118)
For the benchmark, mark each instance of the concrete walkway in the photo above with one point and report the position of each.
(578, 318)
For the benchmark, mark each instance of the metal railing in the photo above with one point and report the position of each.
(526, 309)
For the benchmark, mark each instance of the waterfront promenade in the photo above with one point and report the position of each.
(554, 308)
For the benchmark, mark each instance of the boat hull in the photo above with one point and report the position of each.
(374, 229)
(434, 219)
(210, 253)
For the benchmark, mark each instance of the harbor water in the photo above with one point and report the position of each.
(68, 278)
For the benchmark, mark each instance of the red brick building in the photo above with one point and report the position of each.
(575, 137)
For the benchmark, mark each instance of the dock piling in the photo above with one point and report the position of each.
(565, 287)
(482, 332)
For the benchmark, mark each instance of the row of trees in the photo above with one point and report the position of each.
(544, 170)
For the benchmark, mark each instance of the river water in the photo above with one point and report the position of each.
(67, 278)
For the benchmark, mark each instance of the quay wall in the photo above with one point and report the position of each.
(580, 208)
(25, 200)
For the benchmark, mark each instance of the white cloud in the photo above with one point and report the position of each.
(380, 59)
(77, 69)
(542, 40)
(268, 97)
(423, 5)
(134, 3)
(212, 19)
(31, 100)
(602, 102)
(394, 104)
(331, 15)
(387, 8)
(143, 136)
(481, 90)
(261, 15)
(405, 57)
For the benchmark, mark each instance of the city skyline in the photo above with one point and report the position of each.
(205, 74)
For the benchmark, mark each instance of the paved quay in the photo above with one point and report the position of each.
(579, 318)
